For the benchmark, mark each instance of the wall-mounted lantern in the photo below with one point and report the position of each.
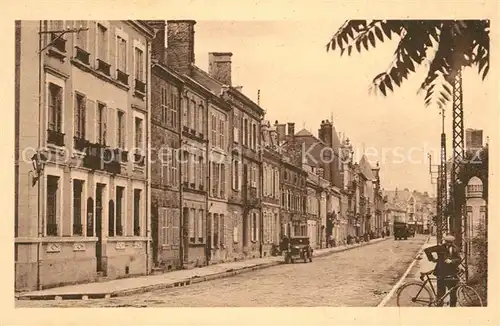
(38, 160)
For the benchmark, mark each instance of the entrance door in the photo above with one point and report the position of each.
(98, 226)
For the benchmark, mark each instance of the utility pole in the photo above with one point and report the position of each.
(459, 215)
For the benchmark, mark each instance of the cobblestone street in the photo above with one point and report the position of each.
(355, 278)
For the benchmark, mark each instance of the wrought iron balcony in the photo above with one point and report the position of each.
(58, 43)
(121, 77)
(140, 86)
(55, 137)
(82, 55)
(80, 143)
(99, 157)
(103, 67)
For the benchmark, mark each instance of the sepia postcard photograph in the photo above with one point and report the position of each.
(287, 154)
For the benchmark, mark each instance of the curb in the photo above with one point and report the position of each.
(403, 277)
(181, 283)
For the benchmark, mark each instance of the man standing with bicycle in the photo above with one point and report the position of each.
(446, 270)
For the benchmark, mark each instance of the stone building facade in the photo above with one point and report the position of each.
(271, 194)
(85, 215)
(166, 90)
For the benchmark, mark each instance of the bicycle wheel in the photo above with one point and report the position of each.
(468, 297)
(414, 294)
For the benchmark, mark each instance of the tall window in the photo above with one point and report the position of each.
(174, 177)
(102, 42)
(200, 118)
(216, 231)
(185, 167)
(254, 229)
(236, 175)
(121, 57)
(138, 133)
(192, 114)
(164, 105)
(221, 133)
(185, 112)
(119, 210)
(174, 109)
(201, 172)
(81, 37)
(137, 212)
(222, 180)
(101, 123)
(192, 226)
(80, 116)
(139, 65)
(55, 107)
(236, 127)
(199, 226)
(77, 207)
(215, 178)
(254, 136)
(214, 130)
(52, 211)
(120, 129)
(245, 132)
(165, 162)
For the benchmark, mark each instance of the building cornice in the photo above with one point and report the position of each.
(142, 27)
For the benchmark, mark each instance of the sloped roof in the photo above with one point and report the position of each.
(304, 133)
(366, 168)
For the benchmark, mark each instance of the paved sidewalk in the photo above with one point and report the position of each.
(127, 286)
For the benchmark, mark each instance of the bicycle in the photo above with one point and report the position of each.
(466, 295)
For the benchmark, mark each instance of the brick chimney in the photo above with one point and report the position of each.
(280, 130)
(219, 66)
(180, 45)
(325, 133)
(158, 44)
(291, 129)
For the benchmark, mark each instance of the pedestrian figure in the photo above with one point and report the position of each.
(446, 270)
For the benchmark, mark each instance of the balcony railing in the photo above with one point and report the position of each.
(139, 159)
(58, 43)
(140, 86)
(82, 55)
(80, 143)
(98, 157)
(121, 154)
(121, 77)
(103, 67)
(55, 137)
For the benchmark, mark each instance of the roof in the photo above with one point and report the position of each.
(366, 168)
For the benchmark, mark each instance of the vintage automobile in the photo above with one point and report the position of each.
(298, 248)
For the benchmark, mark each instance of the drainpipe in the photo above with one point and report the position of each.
(148, 165)
(39, 213)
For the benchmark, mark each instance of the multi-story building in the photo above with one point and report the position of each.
(194, 157)
(293, 184)
(166, 90)
(85, 214)
(271, 194)
(349, 188)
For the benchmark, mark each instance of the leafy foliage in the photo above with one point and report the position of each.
(480, 247)
(456, 44)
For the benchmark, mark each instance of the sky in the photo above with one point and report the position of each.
(300, 82)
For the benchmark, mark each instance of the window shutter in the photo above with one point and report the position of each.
(175, 227)
(76, 116)
(91, 120)
(222, 226)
